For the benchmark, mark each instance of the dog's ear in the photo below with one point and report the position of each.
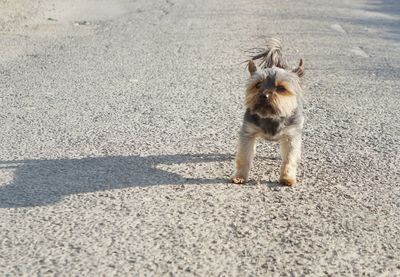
(299, 70)
(252, 67)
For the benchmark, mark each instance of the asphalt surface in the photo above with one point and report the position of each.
(119, 122)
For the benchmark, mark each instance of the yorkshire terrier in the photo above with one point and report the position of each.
(274, 111)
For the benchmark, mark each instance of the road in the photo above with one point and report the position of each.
(119, 121)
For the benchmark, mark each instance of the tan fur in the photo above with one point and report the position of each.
(251, 96)
(245, 153)
(284, 104)
(290, 153)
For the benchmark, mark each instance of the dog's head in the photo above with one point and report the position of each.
(274, 91)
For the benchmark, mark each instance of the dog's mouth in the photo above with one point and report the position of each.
(264, 108)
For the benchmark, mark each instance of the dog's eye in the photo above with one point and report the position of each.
(258, 85)
(280, 89)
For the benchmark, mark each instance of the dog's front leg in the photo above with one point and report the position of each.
(244, 157)
(290, 152)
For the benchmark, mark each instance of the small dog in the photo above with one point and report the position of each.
(274, 111)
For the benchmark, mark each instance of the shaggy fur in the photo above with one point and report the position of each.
(274, 111)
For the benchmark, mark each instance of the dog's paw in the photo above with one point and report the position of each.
(238, 180)
(287, 181)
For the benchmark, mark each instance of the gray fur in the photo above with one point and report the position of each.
(272, 127)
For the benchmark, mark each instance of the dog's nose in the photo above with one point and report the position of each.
(264, 97)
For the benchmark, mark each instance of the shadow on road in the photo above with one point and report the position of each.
(44, 182)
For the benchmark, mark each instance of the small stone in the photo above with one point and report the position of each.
(82, 22)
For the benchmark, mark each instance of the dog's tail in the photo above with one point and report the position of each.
(272, 55)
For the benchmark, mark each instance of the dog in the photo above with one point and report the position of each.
(274, 111)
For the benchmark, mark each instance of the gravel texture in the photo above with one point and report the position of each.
(119, 121)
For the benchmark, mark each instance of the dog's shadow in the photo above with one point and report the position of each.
(45, 182)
